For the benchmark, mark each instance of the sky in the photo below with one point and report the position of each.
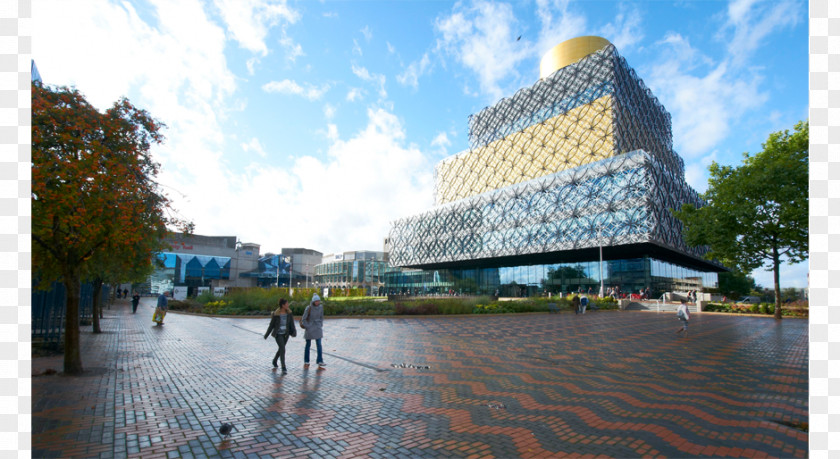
(317, 123)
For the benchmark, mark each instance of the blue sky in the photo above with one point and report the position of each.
(315, 124)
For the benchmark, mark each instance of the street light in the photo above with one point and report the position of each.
(291, 290)
(601, 263)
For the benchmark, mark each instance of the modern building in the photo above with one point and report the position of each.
(195, 261)
(293, 266)
(575, 169)
(360, 269)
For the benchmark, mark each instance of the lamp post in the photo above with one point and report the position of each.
(291, 290)
(601, 263)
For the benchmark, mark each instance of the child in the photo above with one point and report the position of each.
(682, 314)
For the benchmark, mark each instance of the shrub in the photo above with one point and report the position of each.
(492, 308)
(205, 297)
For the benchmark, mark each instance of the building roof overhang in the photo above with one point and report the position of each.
(618, 252)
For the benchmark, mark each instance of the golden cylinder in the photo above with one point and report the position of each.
(569, 52)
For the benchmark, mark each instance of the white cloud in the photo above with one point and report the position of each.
(290, 87)
(375, 171)
(248, 21)
(329, 111)
(753, 20)
(255, 146)
(293, 50)
(414, 71)
(376, 78)
(250, 64)
(354, 94)
(482, 37)
(626, 30)
(332, 132)
(441, 140)
(391, 49)
(557, 24)
(705, 106)
(357, 50)
(367, 33)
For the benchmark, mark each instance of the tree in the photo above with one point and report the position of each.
(735, 284)
(756, 214)
(94, 198)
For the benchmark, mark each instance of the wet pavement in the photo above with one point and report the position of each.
(607, 383)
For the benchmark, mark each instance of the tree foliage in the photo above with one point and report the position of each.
(735, 284)
(95, 204)
(756, 214)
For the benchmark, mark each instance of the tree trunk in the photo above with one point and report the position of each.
(776, 288)
(97, 305)
(72, 355)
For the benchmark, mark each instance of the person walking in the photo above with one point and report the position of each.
(683, 315)
(135, 300)
(576, 303)
(160, 311)
(281, 327)
(312, 321)
(584, 302)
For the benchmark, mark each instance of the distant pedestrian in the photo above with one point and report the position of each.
(125, 293)
(135, 300)
(584, 302)
(312, 321)
(160, 310)
(281, 327)
(576, 303)
(683, 315)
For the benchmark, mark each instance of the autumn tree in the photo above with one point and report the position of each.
(756, 214)
(94, 195)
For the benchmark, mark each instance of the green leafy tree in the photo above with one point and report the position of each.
(94, 198)
(756, 214)
(735, 284)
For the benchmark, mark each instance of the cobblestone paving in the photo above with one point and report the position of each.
(607, 383)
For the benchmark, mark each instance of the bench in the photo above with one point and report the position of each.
(552, 307)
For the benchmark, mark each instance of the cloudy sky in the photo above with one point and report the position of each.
(315, 124)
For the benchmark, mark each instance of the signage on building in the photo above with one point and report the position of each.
(179, 293)
(339, 256)
(219, 291)
(203, 289)
(181, 246)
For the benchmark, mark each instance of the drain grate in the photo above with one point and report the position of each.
(409, 365)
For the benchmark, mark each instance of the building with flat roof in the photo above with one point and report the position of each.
(575, 169)
(197, 262)
(353, 270)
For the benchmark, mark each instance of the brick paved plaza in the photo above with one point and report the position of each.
(607, 383)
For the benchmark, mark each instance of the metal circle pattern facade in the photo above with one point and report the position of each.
(581, 158)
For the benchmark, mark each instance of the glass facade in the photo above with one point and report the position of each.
(580, 161)
(273, 271)
(188, 270)
(630, 275)
(365, 270)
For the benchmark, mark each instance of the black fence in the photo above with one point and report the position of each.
(49, 308)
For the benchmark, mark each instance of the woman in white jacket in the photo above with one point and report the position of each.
(312, 321)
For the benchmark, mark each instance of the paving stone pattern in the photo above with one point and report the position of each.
(607, 383)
